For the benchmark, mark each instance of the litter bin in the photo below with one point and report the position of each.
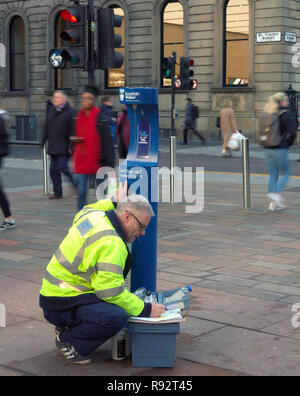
(26, 128)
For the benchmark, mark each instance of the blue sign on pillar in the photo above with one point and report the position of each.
(141, 171)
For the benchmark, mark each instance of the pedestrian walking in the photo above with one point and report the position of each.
(190, 122)
(58, 129)
(228, 126)
(9, 221)
(277, 156)
(123, 133)
(106, 110)
(83, 293)
(93, 143)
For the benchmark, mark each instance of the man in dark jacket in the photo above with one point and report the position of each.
(58, 129)
(190, 123)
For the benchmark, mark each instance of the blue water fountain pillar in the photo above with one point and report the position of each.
(140, 169)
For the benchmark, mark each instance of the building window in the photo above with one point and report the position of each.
(62, 77)
(172, 35)
(236, 43)
(17, 54)
(115, 78)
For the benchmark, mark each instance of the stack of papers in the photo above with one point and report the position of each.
(173, 316)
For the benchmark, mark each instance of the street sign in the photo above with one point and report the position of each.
(177, 83)
(268, 37)
(195, 84)
(290, 37)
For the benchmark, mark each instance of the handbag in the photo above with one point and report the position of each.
(218, 122)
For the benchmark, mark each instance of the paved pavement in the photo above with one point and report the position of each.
(243, 266)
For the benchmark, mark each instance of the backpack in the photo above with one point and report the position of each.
(195, 111)
(269, 129)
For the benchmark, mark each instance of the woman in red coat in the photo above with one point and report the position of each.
(94, 146)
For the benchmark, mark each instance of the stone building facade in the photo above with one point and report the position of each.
(244, 50)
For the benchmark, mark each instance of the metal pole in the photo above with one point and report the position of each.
(172, 167)
(91, 36)
(46, 172)
(246, 174)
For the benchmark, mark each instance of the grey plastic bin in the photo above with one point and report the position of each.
(26, 128)
(153, 345)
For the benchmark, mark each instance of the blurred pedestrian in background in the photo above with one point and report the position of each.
(191, 114)
(228, 126)
(123, 133)
(9, 221)
(277, 157)
(57, 131)
(93, 143)
(106, 110)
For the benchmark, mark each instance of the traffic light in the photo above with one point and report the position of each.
(108, 40)
(167, 68)
(75, 54)
(185, 73)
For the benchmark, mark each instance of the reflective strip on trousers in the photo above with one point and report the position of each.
(107, 293)
(65, 285)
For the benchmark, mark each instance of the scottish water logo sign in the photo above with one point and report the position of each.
(144, 139)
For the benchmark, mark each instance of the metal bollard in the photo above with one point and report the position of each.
(46, 172)
(172, 167)
(246, 174)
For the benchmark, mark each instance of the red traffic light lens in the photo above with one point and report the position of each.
(68, 16)
(192, 62)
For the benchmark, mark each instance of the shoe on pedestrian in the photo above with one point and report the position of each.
(277, 202)
(54, 197)
(298, 160)
(70, 353)
(272, 206)
(7, 225)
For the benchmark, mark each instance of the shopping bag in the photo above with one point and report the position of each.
(235, 140)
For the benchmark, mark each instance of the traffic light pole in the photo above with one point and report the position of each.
(173, 132)
(91, 38)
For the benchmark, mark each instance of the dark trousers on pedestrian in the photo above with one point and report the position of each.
(3, 200)
(185, 135)
(88, 326)
(59, 165)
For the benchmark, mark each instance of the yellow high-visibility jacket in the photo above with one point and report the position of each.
(91, 259)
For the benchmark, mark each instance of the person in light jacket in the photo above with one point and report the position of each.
(228, 126)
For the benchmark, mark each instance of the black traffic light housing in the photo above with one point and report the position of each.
(186, 72)
(75, 54)
(168, 67)
(108, 40)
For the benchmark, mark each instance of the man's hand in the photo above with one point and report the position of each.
(121, 192)
(157, 310)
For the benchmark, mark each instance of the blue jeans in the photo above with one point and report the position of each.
(89, 326)
(82, 186)
(278, 163)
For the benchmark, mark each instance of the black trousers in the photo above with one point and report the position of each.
(185, 134)
(59, 165)
(3, 200)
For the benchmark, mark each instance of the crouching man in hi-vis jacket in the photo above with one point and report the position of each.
(83, 291)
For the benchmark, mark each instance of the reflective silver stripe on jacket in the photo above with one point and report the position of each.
(88, 211)
(64, 285)
(73, 267)
(107, 293)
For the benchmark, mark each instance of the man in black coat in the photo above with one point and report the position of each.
(58, 129)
